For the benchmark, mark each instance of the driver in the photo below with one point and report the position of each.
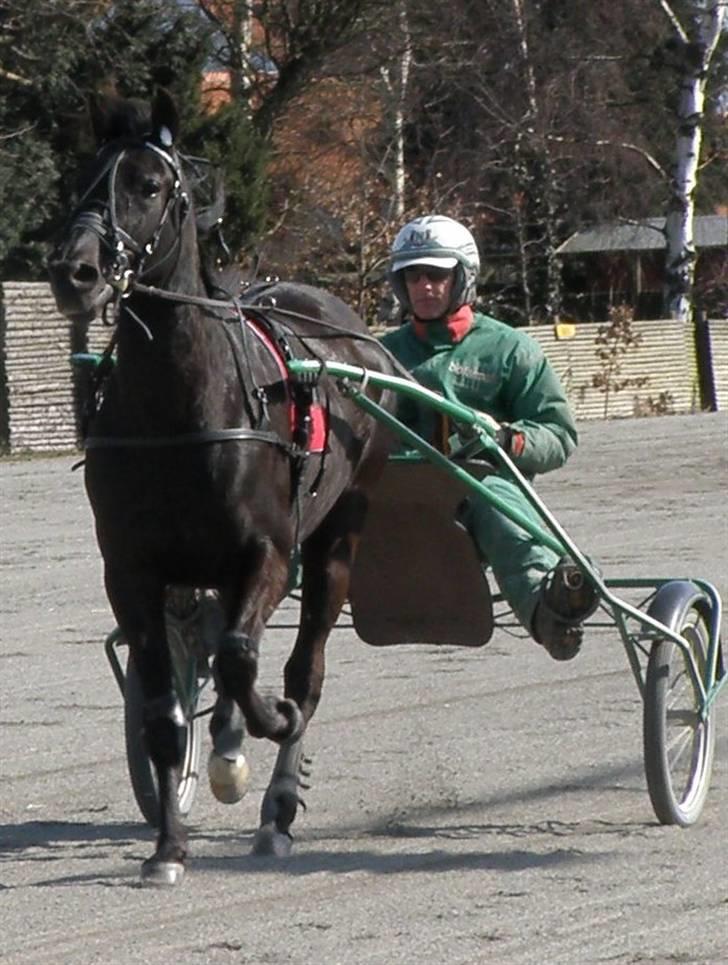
(482, 363)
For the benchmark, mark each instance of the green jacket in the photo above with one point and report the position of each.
(499, 370)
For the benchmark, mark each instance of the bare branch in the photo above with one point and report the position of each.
(15, 78)
(625, 146)
(19, 133)
(673, 18)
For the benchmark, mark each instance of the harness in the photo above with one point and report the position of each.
(242, 320)
(308, 415)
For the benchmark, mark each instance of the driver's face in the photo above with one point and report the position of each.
(429, 290)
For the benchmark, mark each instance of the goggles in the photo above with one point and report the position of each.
(413, 273)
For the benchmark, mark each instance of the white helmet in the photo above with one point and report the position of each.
(443, 243)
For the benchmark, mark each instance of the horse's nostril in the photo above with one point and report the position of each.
(80, 275)
(85, 274)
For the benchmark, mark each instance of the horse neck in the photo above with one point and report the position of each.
(172, 355)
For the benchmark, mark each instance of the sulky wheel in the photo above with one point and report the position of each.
(678, 745)
(141, 769)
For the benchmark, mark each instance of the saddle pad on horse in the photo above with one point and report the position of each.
(417, 577)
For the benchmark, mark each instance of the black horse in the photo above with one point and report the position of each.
(205, 464)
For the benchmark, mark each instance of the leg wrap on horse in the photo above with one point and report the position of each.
(227, 728)
(236, 663)
(165, 730)
(236, 669)
(281, 799)
(280, 802)
(237, 643)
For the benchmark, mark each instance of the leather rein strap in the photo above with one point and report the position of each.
(240, 306)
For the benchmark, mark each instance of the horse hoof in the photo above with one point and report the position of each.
(162, 874)
(270, 842)
(229, 779)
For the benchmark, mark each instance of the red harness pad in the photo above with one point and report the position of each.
(317, 442)
(317, 439)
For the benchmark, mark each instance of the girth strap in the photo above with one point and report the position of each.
(187, 438)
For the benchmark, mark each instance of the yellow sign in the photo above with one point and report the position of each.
(564, 330)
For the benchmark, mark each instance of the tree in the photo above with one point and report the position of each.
(495, 119)
(40, 46)
(229, 142)
(128, 48)
(695, 40)
(274, 50)
(541, 119)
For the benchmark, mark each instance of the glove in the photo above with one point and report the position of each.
(509, 439)
(489, 421)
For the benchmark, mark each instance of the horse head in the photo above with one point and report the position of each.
(131, 222)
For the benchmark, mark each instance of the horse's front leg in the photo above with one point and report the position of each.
(249, 601)
(140, 613)
(327, 556)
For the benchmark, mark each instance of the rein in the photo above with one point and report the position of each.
(242, 306)
(208, 436)
(232, 434)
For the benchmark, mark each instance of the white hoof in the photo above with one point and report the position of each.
(229, 779)
(162, 874)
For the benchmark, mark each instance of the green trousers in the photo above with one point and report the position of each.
(518, 561)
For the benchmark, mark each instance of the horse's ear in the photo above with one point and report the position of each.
(100, 111)
(165, 119)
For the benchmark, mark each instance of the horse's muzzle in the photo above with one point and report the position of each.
(78, 286)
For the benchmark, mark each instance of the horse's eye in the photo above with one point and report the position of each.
(151, 187)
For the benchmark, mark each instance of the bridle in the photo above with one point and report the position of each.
(129, 256)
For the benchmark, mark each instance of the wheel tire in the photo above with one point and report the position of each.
(678, 746)
(141, 769)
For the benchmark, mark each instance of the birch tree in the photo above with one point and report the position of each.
(396, 84)
(232, 21)
(696, 36)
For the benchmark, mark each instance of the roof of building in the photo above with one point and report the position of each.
(710, 231)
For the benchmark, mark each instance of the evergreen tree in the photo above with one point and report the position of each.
(55, 56)
(229, 142)
(41, 47)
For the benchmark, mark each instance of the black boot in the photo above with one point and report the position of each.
(565, 601)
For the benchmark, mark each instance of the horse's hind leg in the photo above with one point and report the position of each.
(327, 556)
(141, 619)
